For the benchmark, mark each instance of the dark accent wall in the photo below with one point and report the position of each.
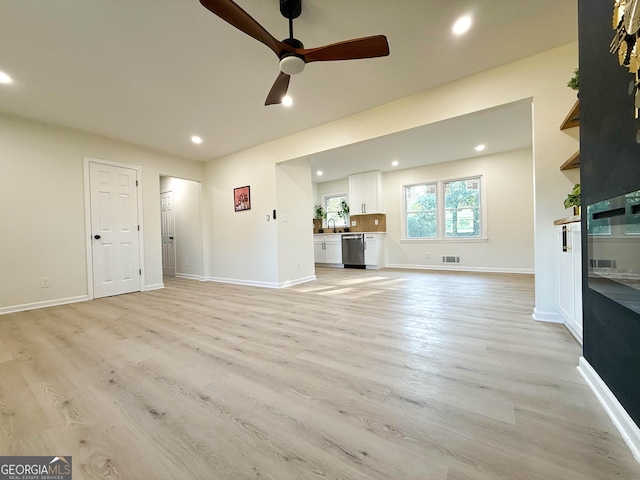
(610, 166)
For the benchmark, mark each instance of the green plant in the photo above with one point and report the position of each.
(344, 212)
(574, 83)
(573, 199)
(320, 213)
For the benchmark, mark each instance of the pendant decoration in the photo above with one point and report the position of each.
(626, 43)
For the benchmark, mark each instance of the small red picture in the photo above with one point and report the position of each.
(241, 199)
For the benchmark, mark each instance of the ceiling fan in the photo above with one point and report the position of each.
(291, 52)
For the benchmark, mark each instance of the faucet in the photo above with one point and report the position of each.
(334, 224)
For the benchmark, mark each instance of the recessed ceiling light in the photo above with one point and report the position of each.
(4, 78)
(394, 163)
(319, 173)
(462, 25)
(287, 101)
(196, 139)
(480, 147)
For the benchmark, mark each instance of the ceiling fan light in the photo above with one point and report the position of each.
(292, 65)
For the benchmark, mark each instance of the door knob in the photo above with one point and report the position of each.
(97, 237)
(170, 238)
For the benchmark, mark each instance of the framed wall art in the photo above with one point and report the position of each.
(242, 198)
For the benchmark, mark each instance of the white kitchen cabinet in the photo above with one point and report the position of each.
(569, 249)
(333, 249)
(327, 249)
(374, 250)
(365, 193)
(318, 248)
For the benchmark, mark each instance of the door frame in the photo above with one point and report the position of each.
(87, 220)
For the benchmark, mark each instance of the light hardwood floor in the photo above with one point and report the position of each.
(358, 375)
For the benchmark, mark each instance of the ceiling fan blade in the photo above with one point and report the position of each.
(279, 89)
(231, 13)
(367, 47)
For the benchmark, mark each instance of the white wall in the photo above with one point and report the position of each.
(43, 208)
(295, 226)
(541, 78)
(508, 182)
(188, 225)
(331, 188)
(243, 246)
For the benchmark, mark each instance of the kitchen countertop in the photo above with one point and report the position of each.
(345, 233)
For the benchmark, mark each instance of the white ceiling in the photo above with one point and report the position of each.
(500, 129)
(156, 72)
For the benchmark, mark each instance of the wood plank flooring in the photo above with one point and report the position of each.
(359, 375)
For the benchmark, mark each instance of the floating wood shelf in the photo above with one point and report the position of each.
(572, 162)
(573, 118)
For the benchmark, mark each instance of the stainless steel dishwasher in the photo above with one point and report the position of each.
(353, 250)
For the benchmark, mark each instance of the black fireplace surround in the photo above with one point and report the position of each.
(609, 176)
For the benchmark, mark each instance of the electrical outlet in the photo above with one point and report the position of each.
(186, 262)
(426, 255)
(45, 282)
(297, 265)
(353, 223)
(375, 222)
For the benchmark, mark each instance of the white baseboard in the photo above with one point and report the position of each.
(156, 286)
(248, 283)
(461, 268)
(253, 283)
(190, 276)
(624, 423)
(297, 281)
(43, 304)
(575, 329)
(551, 317)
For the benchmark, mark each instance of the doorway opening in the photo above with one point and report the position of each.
(181, 228)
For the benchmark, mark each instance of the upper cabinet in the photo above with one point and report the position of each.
(365, 193)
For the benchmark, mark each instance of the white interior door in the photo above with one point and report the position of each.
(114, 230)
(168, 234)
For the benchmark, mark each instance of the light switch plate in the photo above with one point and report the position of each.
(353, 223)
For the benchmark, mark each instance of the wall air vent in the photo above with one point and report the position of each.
(450, 259)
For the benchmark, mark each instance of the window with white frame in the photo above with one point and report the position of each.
(462, 208)
(333, 208)
(420, 203)
(445, 209)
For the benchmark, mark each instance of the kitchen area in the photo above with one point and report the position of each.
(349, 229)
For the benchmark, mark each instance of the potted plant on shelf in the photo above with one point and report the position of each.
(344, 212)
(574, 83)
(573, 199)
(317, 219)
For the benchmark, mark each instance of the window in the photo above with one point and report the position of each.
(420, 207)
(333, 209)
(444, 209)
(462, 208)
